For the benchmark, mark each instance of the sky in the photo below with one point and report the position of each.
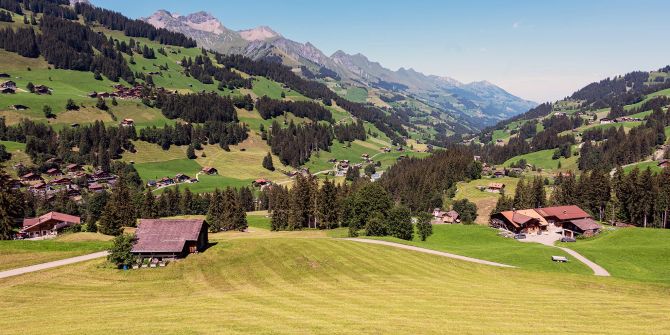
(538, 50)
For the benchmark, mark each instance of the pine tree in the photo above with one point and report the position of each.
(215, 212)
(119, 211)
(149, 210)
(190, 152)
(186, 203)
(327, 206)
(279, 205)
(11, 206)
(48, 112)
(70, 105)
(267, 162)
(101, 104)
(423, 226)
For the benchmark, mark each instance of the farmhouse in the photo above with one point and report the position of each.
(49, 224)
(445, 217)
(170, 238)
(127, 122)
(560, 214)
(516, 222)
(20, 107)
(73, 168)
(606, 121)
(210, 170)
(495, 187)
(41, 89)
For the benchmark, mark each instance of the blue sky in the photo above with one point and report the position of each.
(539, 50)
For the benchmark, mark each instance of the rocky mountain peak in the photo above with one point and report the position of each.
(260, 33)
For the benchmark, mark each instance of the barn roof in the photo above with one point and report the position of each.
(166, 235)
(563, 212)
(496, 185)
(585, 224)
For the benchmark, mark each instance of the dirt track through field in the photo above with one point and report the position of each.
(49, 265)
(430, 251)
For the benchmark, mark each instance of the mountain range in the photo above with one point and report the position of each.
(477, 104)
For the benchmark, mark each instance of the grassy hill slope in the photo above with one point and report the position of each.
(313, 285)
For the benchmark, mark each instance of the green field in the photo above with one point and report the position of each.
(653, 165)
(542, 159)
(14, 254)
(357, 94)
(633, 253)
(157, 170)
(288, 283)
(483, 242)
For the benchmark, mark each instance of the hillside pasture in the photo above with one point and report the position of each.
(483, 242)
(543, 159)
(19, 253)
(632, 253)
(485, 201)
(287, 285)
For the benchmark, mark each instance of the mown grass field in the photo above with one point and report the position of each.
(356, 94)
(543, 159)
(633, 253)
(14, 254)
(300, 283)
(482, 242)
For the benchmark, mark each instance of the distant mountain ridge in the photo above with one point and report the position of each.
(480, 103)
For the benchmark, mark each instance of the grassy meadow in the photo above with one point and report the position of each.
(482, 242)
(632, 253)
(14, 254)
(302, 282)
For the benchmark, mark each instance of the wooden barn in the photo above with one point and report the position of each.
(586, 227)
(170, 238)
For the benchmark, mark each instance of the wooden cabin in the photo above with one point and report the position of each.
(170, 238)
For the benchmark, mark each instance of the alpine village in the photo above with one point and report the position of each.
(169, 175)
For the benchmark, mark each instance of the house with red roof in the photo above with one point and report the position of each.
(49, 224)
(170, 238)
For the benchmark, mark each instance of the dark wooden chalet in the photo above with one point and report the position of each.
(516, 222)
(170, 238)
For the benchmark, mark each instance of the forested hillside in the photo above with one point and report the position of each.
(617, 121)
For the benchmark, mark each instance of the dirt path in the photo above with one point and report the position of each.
(49, 265)
(597, 269)
(430, 251)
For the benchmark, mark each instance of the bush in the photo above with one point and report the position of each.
(120, 253)
(466, 209)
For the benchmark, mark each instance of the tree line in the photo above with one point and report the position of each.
(295, 144)
(269, 108)
(639, 197)
(348, 132)
(390, 125)
(134, 28)
(607, 148)
(210, 132)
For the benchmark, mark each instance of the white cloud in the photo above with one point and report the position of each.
(516, 24)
